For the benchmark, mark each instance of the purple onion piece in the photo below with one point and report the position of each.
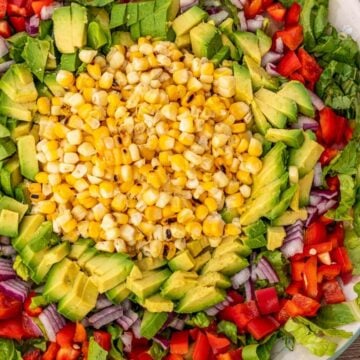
(255, 24)
(6, 65)
(316, 101)
(48, 325)
(106, 316)
(317, 175)
(4, 49)
(326, 194)
(238, 4)
(294, 236)
(279, 45)
(102, 302)
(219, 17)
(16, 288)
(270, 57)
(32, 25)
(126, 339)
(292, 248)
(271, 273)
(164, 343)
(271, 69)
(324, 206)
(47, 11)
(5, 240)
(136, 329)
(240, 278)
(29, 323)
(177, 324)
(315, 200)
(242, 21)
(249, 291)
(7, 250)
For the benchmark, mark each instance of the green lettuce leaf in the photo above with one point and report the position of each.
(96, 352)
(116, 351)
(21, 270)
(157, 352)
(7, 349)
(229, 329)
(259, 351)
(352, 243)
(200, 320)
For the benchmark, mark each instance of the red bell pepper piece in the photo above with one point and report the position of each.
(51, 351)
(339, 233)
(3, 6)
(328, 125)
(80, 333)
(236, 297)
(179, 343)
(218, 344)
(144, 356)
(9, 307)
(252, 8)
(325, 220)
(231, 355)
(297, 270)
(333, 183)
(288, 64)
(332, 292)
(297, 76)
(240, 314)
(103, 338)
(34, 354)
(68, 353)
(262, 326)
(328, 272)
(316, 249)
(202, 348)
(341, 257)
(295, 287)
(31, 312)
(310, 277)
(38, 5)
(18, 22)
(292, 16)
(310, 69)
(292, 38)
(19, 3)
(301, 305)
(5, 30)
(277, 11)
(341, 124)
(267, 300)
(282, 316)
(315, 233)
(174, 357)
(12, 328)
(15, 10)
(65, 336)
(194, 333)
(327, 155)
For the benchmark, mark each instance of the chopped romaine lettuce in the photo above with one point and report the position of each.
(229, 329)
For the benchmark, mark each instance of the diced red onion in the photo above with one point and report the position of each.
(238, 4)
(326, 194)
(126, 304)
(177, 324)
(3, 47)
(294, 236)
(219, 17)
(256, 23)
(136, 329)
(295, 228)
(268, 270)
(317, 175)
(7, 250)
(5, 264)
(249, 291)
(240, 278)
(306, 123)
(28, 323)
(270, 57)
(315, 200)
(85, 322)
(106, 316)
(59, 321)
(316, 101)
(324, 206)
(242, 21)
(47, 11)
(7, 274)
(52, 322)
(213, 10)
(214, 310)
(164, 343)
(126, 339)
(4, 240)
(32, 25)
(312, 214)
(127, 320)
(291, 248)
(102, 302)
(279, 45)
(6, 65)
(16, 288)
(271, 69)
(260, 274)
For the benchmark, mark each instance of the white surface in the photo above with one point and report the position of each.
(345, 16)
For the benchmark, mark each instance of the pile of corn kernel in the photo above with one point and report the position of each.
(143, 151)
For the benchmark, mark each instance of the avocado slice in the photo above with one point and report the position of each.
(306, 156)
(228, 264)
(183, 261)
(243, 86)
(275, 117)
(79, 247)
(70, 62)
(87, 255)
(215, 279)
(41, 237)
(60, 280)
(290, 217)
(201, 260)
(4, 131)
(52, 84)
(62, 26)
(9, 223)
(248, 43)
(28, 226)
(200, 298)
(118, 294)
(205, 40)
(13, 110)
(265, 42)
(151, 323)
(275, 237)
(183, 41)
(195, 247)
(78, 25)
(221, 55)
(228, 215)
(291, 137)
(131, 13)
(284, 105)
(157, 303)
(13, 205)
(96, 36)
(284, 202)
(234, 52)
(10, 176)
(305, 185)
(29, 165)
(178, 283)
(261, 124)
(297, 92)
(171, 7)
(278, 184)
(227, 26)
(118, 15)
(187, 20)
(231, 244)
(21, 129)
(150, 263)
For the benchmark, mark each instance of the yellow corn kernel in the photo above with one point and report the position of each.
(179, 163)
(238, 128)
(70, 179)
(211, 204)
(176, 205)
(194, 229)
(232, 187)
(46, 207)
(207, 68)
(106, 80)
(94, 230)
(69, 226)
(255, 147)
(231, 230)
(42, 178)
(164, 158)
(166, 142)
(153, 213)
(65, 78)
(243, 146)
(121, 218)
(168, 212)
(150, 196)
(172, 92)
(251, 164)
(119, 203)
(94, 70)
(244, 177)
(234, 201)
(153, 180)
(106, 189)
(43, 105)
(222, 71)
(213, 225)
(201, 212)
(84, 81)
(185, 216)
(94, 190)
(239, 110)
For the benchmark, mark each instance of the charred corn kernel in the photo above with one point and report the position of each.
(255, 147)
(234, 201)
(65, 78)
(43, 105)
(213, 225)
(42, 178)
(232, 230)
(211, 204)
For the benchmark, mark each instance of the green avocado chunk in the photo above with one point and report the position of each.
(215, 279)
(183, 261)
(284, 202)
(291, 137)
(9, 223)
(187, 20)
(151, 323)
(205, 40)
(29, 165)
(10, 176)
(178, 284)
(228, 264)
(157, 303)
(248, 43)
(13, 205)
(28, 226)
(243, 86)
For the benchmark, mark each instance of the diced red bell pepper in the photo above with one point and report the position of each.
(15, 10)
(332, 292)
(301, 305)
(297, 76)
(327, 155)
(333, 183)
(295, 287)
(262, 326)
(341, 124)
(267, 300)
(277, 11)
(18, 22)
(9, 307)
(293, 14)
(179, 343)
(348, 133)
(310, 277)
(240, 314)
(231, 355)
(218, 344)
(68, 353)
(34, 354)
(144, 356)
(315, 233)
(51, 351)
(65, 336)
(252, 8)
(328, 125)
(328, 272)
(202, 348)
(282, 316)
(316, 249)
(293, 38)
(38, 5)
(325, 220)
(31, 312)
(103, 338)
(288, 64)
(5, 30)
(297, 270)
(339, 234)
(80, 333)
(310, 69)
(236, 297)
(12, 328)
(341, 257)
(85, 349)
(3, 6)
(194, 333)
(19, 3)
(174, 357)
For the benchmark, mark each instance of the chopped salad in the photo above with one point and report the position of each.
(179, 179)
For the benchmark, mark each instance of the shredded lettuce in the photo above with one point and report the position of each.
(8, 350)
(200, 320)
(352, 243)
(259, 351)
(96, 352)
(116, 351)
(157, 352)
